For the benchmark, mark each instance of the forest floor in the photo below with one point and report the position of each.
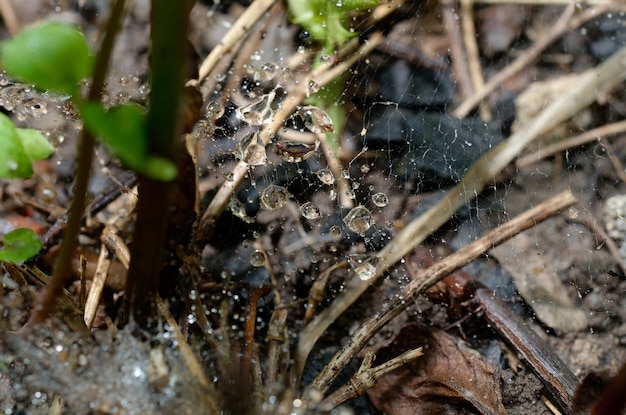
(304, 215)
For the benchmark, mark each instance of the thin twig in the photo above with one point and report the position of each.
(459, 60)
(473, 56)
(366, 377)
(433, 274)
(579, 140)
(190, 359)
(9, 17)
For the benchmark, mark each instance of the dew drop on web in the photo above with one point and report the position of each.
(273, 197)
(358, 220)
(363, 265)
(380, 199)
(326, 176)
(258, 112)
(335, 231)
(251, 150)
(309, 210)
(316, 120)
(266, 72)
(257, 258)
(33, 107)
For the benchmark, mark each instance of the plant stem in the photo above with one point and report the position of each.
(169, 20)
(46, 302)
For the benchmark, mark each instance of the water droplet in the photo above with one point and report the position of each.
(363, 266)
(213, 110)
(332, 194)
(310, 210)
(326, 59)
(273, 197)
(365, 168)
(203, 130)
(220, 77)
(316, 120)
(345, 174)
(358, 220)
(311, 88)
(251, 150)
(12, 165)
(335, 231)
(258, 112)
(144, 90)
(295, 151)
(238, 209)
(326, 176)
(380, 199)
(12, 95)
(257, 258)
(266, 72)
(33, 107)
(193, 294)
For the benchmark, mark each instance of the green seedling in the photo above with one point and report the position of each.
(18, 148)
(57, 57)
(19, 245)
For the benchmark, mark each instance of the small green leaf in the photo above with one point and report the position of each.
(14, 162)
(52, 56)
(122, 130)
(35, 145)
(159, 168)
(19, 245)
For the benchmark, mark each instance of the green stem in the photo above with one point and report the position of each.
(46, 302)
(169, 20)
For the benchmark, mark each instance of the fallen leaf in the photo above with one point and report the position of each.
(449, 378)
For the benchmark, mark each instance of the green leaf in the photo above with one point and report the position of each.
(14, 161)
(122, 130)
(159, 168)
(35, 145)
(52, 56)
(19, 245)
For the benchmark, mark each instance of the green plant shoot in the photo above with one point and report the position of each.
(325, 20)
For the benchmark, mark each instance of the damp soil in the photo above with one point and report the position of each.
(286, 225)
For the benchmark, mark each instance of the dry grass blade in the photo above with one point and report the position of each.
(237, 31)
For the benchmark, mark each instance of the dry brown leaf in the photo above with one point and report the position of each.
(538, 282)
(449, 378)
